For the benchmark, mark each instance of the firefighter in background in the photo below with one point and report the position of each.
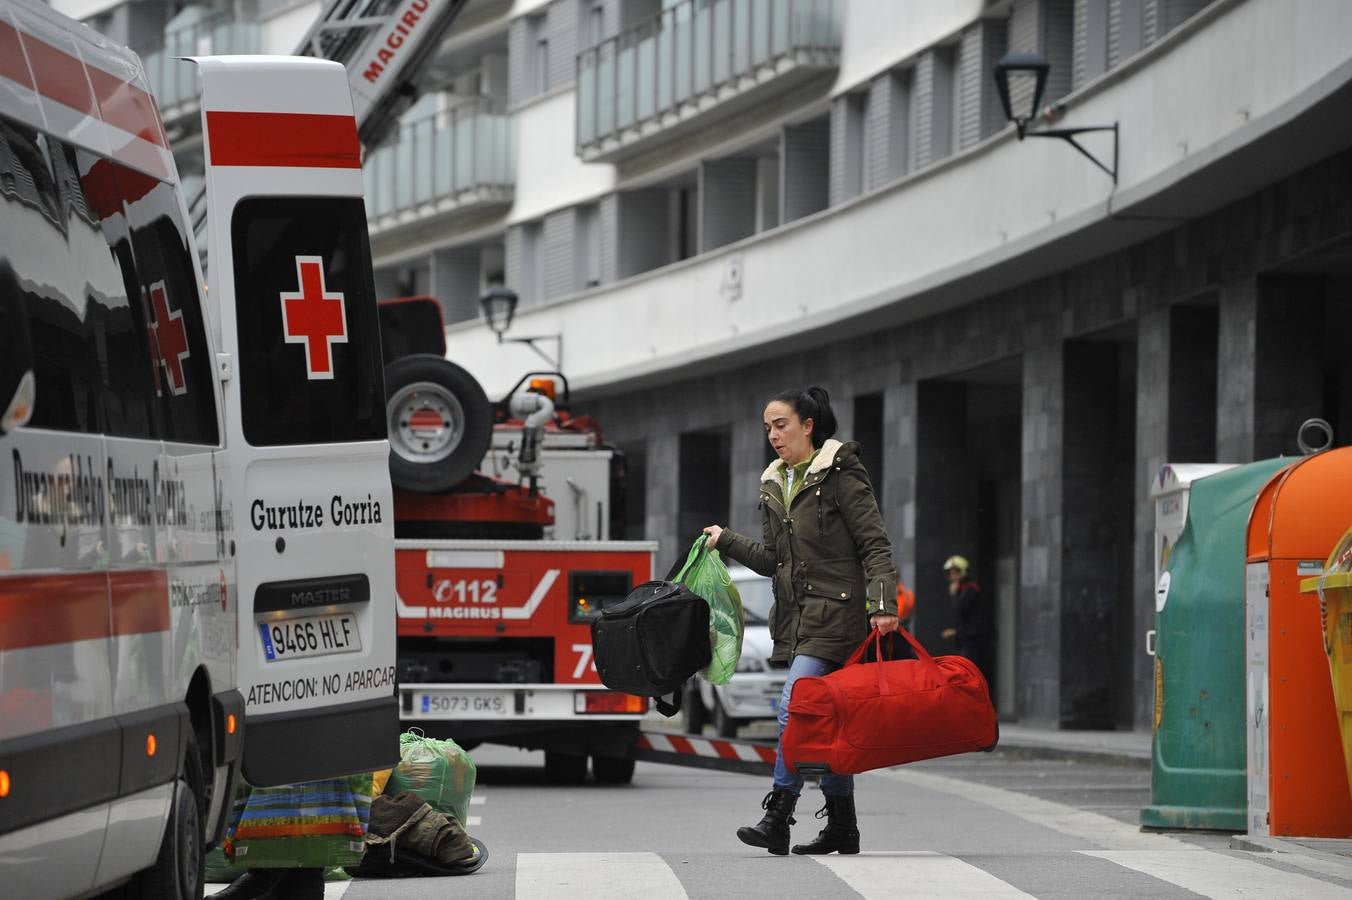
(975, 631)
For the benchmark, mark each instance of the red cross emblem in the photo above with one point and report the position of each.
(314, 317)
(168, 341)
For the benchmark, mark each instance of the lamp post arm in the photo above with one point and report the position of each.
(1068, 135)
(556, 364)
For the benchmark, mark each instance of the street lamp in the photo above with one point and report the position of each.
(1031, 69)
(498, 305)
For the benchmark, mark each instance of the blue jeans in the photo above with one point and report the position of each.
(832, 785)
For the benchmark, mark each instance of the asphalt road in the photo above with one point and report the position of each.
(975, 826)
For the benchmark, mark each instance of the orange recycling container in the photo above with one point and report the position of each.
(1334, 590)
(1297, 776)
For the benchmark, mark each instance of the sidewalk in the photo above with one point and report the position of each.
(1126, 748)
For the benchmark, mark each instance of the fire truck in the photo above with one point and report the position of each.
(504, 554)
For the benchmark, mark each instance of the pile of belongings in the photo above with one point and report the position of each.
(417, 818)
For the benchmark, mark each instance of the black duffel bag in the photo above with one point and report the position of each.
(652, 641)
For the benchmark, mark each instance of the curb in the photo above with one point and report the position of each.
(1093, 755)
(1279, 847)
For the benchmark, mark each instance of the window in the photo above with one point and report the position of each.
(532, 263)
(856, 137)
(170, 309)
(100, 259)
(537, 44)
(587, 264)
(36, 263)
(596, 24)
(306, 387)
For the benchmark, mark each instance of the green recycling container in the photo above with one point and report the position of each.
(1198, 761)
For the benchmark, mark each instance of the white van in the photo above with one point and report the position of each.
(196, 540)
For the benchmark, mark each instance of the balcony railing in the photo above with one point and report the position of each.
(449, 160)
(174, 81)
(693, 51)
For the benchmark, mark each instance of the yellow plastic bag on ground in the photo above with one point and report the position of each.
(378, 781)
(704, 574)
(440, 772)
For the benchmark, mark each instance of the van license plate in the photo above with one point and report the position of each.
(464, 703)
(311, 636)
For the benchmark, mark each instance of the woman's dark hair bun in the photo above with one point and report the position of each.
(815, 404)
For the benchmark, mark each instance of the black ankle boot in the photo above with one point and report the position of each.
(297, 884)
(772, 832)
(841, 834)
(252, 884)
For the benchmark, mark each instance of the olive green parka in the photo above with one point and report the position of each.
(828, 556)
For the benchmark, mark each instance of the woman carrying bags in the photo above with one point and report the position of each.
(826, 550)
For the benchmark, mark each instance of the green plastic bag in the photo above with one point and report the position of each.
(438, 771)
(704, 574)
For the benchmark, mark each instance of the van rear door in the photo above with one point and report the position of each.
(290, 278)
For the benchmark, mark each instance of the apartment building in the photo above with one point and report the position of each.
(701, 202)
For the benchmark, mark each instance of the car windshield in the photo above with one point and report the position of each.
(756, 599)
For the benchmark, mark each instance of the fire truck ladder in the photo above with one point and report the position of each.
(750, 757)
(384, 44)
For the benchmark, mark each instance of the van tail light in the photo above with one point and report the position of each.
(596, 702)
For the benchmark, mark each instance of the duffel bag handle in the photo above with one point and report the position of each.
(876, 637)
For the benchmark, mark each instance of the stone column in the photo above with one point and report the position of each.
(1154, 400)
(1235, 358)
(899, 439)
(1039, 663)
(663, 496)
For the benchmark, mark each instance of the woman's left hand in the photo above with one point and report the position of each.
(885, 624)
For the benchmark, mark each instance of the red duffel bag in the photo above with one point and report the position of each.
(872, 715)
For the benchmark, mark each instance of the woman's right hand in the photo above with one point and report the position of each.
(714, 532)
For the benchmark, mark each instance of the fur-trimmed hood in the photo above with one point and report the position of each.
(825, 457)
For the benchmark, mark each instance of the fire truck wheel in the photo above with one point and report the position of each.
(440, 423)
(565, 768)
(613, 769)
(724, 724)
(179, 871)
(693, 714)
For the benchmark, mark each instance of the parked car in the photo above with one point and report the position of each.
(753, 693)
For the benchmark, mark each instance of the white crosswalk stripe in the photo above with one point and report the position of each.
(875, 876)
(596, 876)
(333, 890)
(1221, 876)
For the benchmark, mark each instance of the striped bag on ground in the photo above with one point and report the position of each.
(316, 824)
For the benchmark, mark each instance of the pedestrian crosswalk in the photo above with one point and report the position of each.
(875, 876)
(596, 876)
(1197, 871)
(881, 875)
(1135, 863)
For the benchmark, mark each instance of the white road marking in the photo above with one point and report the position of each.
(475, 820)
(478, 800)
(926, 875)
(1221, 876)
(596, 876)
(333, 890)
(1096, 829)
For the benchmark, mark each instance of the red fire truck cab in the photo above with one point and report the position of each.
(503, 524)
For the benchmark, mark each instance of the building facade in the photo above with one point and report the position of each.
(708, 201)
